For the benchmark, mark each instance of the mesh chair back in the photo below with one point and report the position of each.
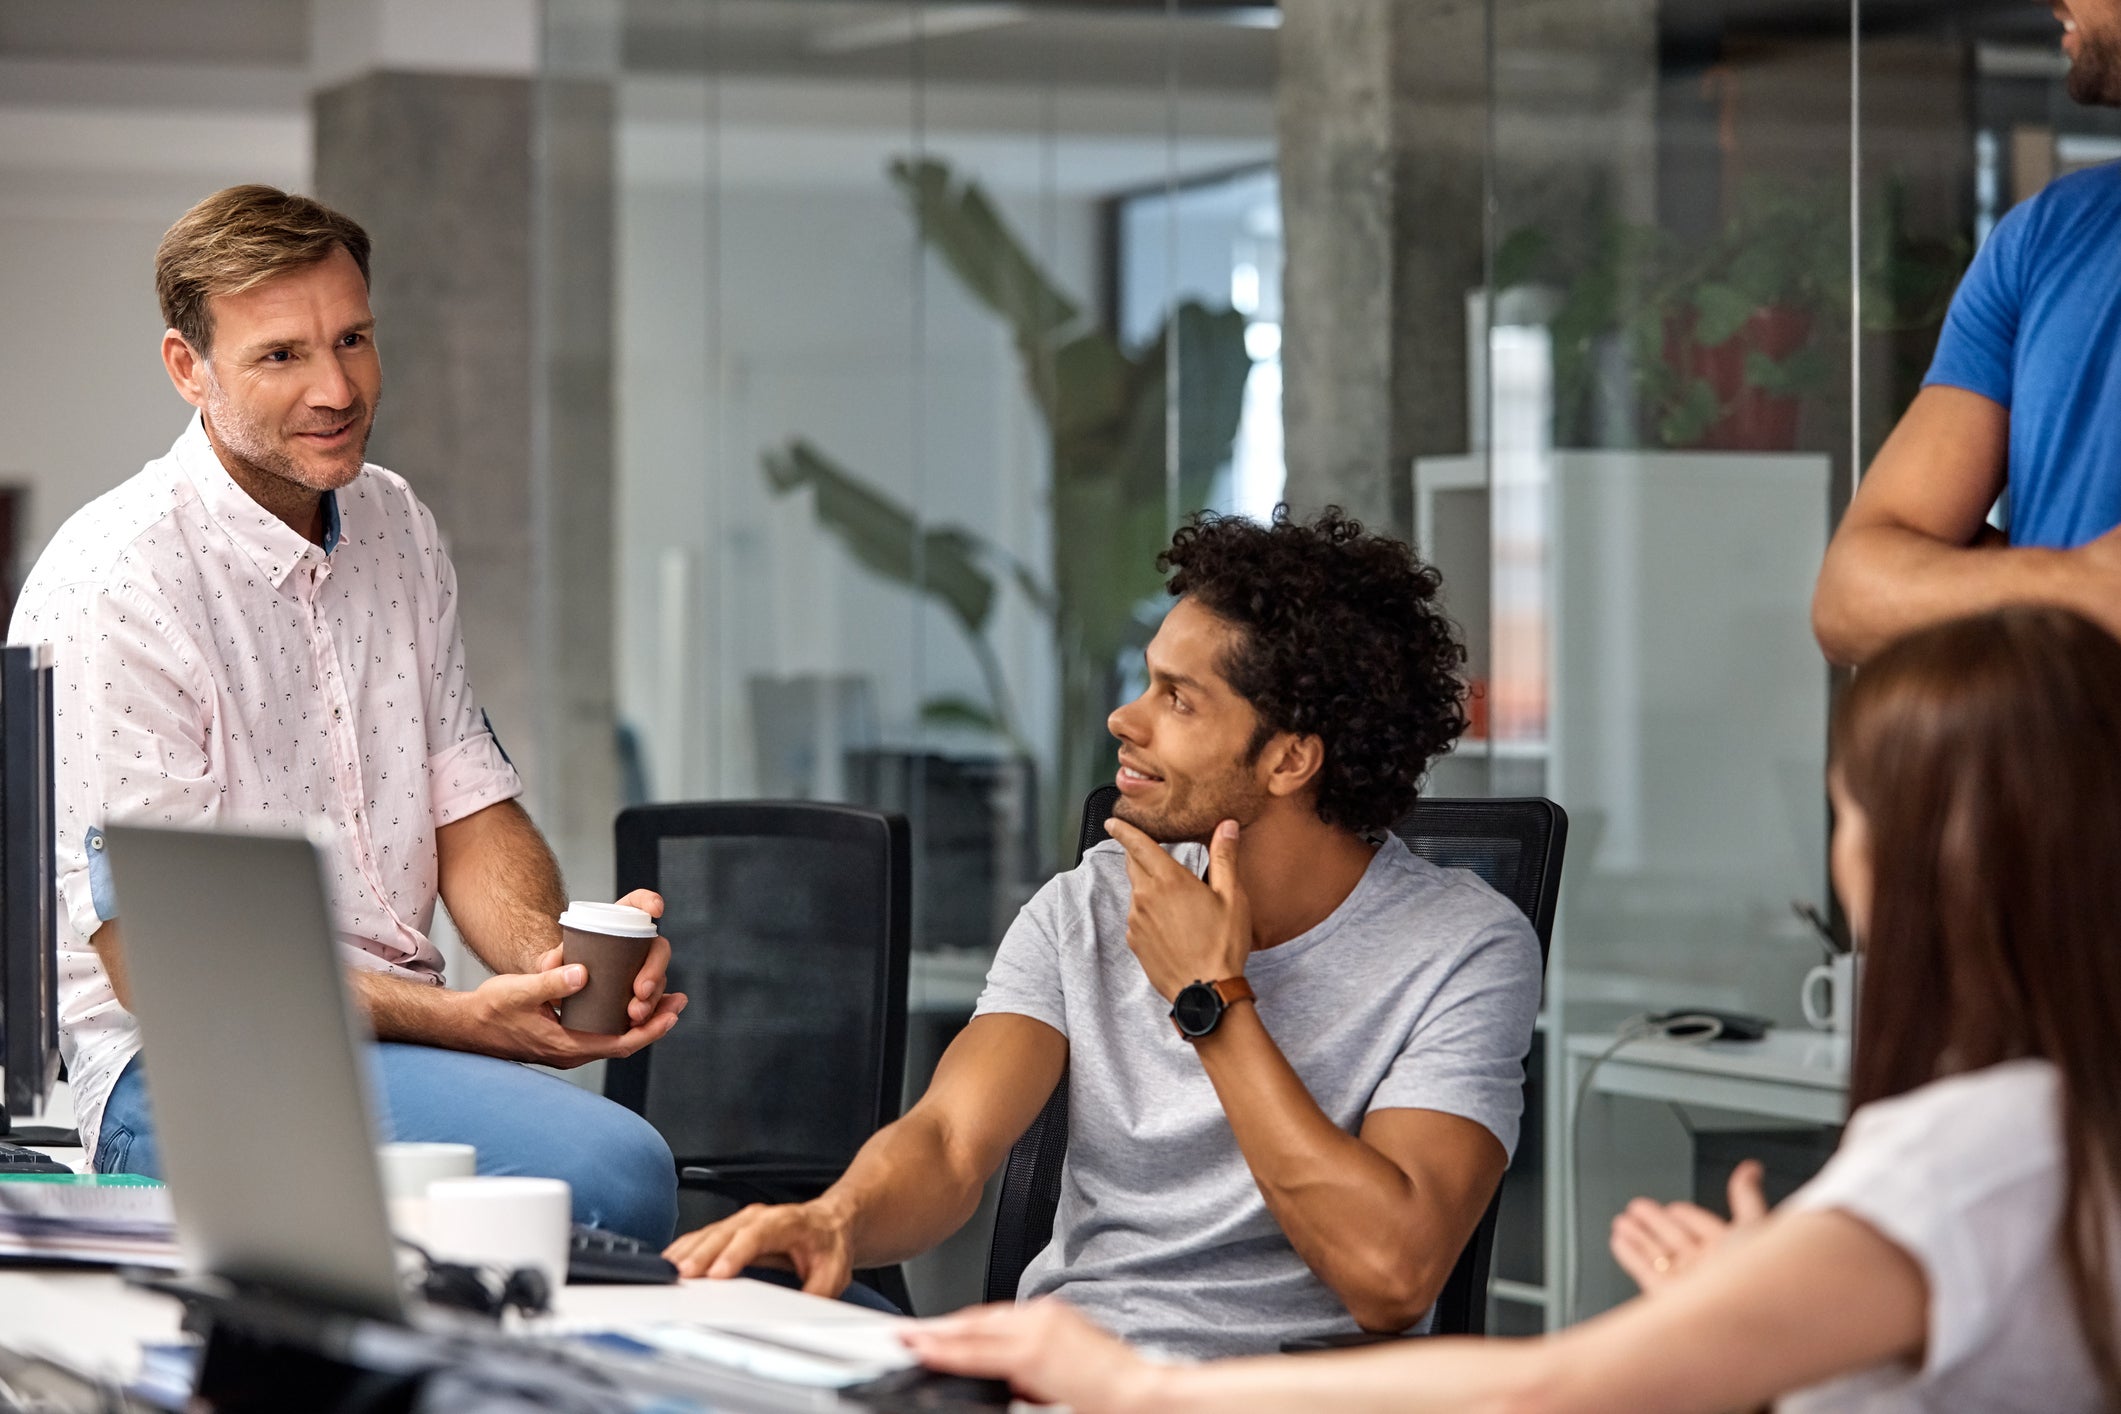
(1514, 845)
(1023, 1213)
(790, 928)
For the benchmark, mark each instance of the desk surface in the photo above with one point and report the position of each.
(1785, 1056)
(94, 1323)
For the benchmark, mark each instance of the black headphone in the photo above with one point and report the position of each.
(482, 1290)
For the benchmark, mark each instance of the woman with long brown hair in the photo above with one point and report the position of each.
(1958, 1252)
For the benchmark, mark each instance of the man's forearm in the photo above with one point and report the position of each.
(1350, 1212)
(1881, 582)
(414, 1012)
(502, 886)
(905, 1192)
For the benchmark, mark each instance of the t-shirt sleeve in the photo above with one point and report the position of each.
(1977, 351)
(1465, 1055)
(1963, 1176)
(1025, 979)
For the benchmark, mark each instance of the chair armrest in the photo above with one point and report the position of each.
(761, 1180)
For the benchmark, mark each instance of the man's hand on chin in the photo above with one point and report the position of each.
(1181, 929)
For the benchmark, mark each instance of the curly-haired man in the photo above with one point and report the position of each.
(1294, 1083)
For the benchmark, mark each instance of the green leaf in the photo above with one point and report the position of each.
(1688, 420)
(1804, 371)
(1723, 311)
(958, 712)
(886, 537)
(1519, 257)
(961, 225)
(1089, 388)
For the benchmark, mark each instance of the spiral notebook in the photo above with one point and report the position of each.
(87, 1219)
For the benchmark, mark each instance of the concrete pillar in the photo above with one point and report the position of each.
(1382, 117)
(489, 197)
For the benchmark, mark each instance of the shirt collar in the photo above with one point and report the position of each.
(271, 544)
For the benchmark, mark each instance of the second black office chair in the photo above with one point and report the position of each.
(790, 926)
(1515, 845)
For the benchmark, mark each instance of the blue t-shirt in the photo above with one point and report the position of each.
(2036, 327)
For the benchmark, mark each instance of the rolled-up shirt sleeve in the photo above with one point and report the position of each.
(466, 768)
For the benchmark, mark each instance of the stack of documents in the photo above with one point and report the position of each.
(87, 1218)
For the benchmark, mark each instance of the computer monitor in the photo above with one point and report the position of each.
(29, 964)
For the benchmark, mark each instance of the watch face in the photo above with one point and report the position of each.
(1197, 1009)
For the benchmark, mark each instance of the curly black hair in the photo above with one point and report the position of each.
(1342, 638)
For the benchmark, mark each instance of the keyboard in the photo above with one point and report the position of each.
(16, 1159)
(599, 1258)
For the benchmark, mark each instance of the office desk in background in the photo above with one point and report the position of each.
(1616, 1150)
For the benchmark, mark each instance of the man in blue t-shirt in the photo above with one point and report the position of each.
(2025, 394)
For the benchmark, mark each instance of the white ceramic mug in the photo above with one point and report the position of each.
(407, 1169)
(502, 1222)
(1829, 995)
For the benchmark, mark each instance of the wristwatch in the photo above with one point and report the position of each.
(1199, 1006)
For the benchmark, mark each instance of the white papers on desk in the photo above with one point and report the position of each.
(87, 1222)
(741, 1327)
(825, 1354)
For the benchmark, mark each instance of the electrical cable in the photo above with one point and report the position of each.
(1683, 1028)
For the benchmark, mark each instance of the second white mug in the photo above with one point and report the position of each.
(1829, 995)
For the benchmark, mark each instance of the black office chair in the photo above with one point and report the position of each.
(1515, 845)
(790, 927)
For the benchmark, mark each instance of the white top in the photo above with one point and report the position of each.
(1966, 1175)
(211, 666)
(618, 920)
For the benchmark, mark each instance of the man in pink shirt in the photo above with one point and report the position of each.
(260, 627)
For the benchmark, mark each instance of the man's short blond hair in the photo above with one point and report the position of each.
(237, 239)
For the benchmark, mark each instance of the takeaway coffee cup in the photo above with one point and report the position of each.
(612, 941)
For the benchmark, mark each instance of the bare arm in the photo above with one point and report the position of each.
(110, 951)
(502, 886)
(1812, 1297)
(1914, 549)
(915, 1182)
(1380, 1217)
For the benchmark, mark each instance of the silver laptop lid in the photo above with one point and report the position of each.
(261, 1102)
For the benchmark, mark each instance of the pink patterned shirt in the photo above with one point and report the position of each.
(214, 667)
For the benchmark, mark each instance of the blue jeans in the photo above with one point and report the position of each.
(522, 1121)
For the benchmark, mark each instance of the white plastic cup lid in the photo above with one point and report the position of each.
(616, 920)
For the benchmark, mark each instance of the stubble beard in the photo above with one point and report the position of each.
(1195, 808)
(245, 439)
(2095, 73)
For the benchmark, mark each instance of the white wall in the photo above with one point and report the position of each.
(86, 190)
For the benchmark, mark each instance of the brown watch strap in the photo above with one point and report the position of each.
(1233, 990)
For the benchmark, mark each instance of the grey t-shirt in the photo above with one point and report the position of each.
(1418, 992)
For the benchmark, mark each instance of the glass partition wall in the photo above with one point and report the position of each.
(930, 323)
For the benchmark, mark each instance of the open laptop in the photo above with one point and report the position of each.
(262, 1112)
(267, 1129)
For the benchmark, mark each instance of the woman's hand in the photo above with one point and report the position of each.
(1657, 1243)
(1047, 1352)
